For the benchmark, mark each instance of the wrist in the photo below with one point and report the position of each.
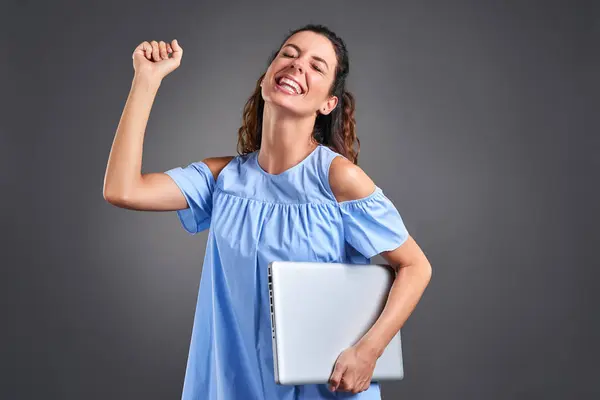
(146, 82)
(370, 346)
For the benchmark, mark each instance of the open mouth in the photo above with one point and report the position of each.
(289, 86)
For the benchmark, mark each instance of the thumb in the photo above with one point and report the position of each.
(177, 50)
(336, 376)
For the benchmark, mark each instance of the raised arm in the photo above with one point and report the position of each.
(124, 184)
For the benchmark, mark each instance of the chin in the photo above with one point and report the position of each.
(284, 102)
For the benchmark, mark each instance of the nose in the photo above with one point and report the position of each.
(296, 64)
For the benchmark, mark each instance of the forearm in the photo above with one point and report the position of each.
(125, 159)
(408, 286)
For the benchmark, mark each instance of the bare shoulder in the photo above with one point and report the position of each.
(216, 164)
(348, 181)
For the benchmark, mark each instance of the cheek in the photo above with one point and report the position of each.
(277, 65)
(272, 70)
(268, 75)
(318, 86)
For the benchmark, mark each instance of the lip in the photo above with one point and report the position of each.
(288, 76)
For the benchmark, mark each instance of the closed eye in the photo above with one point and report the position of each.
(291, 56)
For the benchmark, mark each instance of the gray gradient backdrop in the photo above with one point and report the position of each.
(475, 118)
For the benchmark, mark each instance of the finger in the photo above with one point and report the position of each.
(144, 48)
(148, 50)
(163, 50)
(336, 376)
(342, 385)
(177, 50)
(155, 51)
(354, 384)
(169, 48)
(357, 387)
(364, 384)
(346, 384)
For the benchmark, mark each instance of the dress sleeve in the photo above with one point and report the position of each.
(196, 182)
(373, 224)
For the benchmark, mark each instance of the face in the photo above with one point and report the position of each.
(300, 76)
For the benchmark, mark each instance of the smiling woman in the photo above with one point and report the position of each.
(294, 192)
(294, 86)
(315, 60)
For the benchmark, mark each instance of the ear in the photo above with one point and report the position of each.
(328, 106)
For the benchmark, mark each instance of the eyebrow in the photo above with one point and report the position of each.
(314, 57)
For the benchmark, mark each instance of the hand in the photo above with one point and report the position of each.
(353, 370)
(151, 59)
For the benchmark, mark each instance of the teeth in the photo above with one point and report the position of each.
(291, 83)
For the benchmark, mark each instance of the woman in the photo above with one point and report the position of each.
(294, 192)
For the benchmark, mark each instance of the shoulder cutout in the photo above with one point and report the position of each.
(348, 181)
(216, 164)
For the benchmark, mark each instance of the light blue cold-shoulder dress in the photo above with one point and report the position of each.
(255, 218)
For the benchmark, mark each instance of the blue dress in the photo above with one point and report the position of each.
(255, 218)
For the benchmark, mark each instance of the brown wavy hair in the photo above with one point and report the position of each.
(337, 130)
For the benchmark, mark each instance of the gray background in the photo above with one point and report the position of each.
(475, 118)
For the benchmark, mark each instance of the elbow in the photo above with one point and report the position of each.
(120, 195)
(421, 272)
(425, 273)
(114, 198)
(428, 271)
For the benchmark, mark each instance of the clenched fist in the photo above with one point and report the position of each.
(155, 60)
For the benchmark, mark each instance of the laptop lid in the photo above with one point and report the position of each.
(318, 310)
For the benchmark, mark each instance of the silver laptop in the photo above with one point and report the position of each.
(318, 310)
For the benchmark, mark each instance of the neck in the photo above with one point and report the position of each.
(286, 140)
